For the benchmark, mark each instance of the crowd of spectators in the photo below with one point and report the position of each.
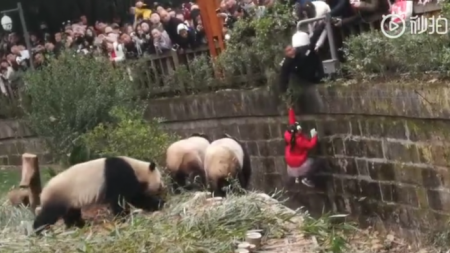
(150, 30)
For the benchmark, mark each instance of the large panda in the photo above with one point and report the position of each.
(226, 157)
(99, 181)
(184, 158)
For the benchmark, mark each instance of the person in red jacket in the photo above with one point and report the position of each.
(296, 151)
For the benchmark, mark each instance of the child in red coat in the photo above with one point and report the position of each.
(296, 151)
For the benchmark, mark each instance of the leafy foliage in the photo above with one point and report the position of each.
(71, 96)
(372, 53)
(128, 135)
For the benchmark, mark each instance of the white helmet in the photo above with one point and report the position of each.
(300, 39)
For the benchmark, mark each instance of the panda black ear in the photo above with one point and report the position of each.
(152, 166)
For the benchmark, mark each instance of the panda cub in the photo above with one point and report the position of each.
(184, 159)
(99, 181)
(226, 157)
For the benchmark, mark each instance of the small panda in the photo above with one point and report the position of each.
(96, 182)
(226, 157)
(184, 158)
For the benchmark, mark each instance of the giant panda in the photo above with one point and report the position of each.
(184, 158)
(99, 181)
(226, 157)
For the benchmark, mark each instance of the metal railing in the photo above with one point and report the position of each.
(331, 65)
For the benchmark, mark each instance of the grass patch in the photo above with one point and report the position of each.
(9, 178)
(187, 224)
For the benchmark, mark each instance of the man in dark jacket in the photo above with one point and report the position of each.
(302, 60)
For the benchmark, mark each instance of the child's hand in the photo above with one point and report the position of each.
(313, 132)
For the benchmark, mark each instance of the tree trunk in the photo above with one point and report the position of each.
(31, 179)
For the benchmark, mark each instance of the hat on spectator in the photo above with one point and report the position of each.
(181, 27)
(300, 39)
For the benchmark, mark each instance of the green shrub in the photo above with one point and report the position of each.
(71, 96)
(129, 135)
(372, 53)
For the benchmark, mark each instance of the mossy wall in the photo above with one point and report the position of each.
(383, 148)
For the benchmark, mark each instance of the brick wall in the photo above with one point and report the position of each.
(16, 139)
(383, 149)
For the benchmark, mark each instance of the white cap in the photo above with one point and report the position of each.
(181, 27)
(300, 39)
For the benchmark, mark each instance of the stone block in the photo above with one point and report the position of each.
(252, 148)
(329, 128)
(434, 200)
(408, 174)
(371, 127)
(422, 197)
(373, 149)
(406, 195)
(273, 182)
(388, 191)
(352, 187)
(364, 148)
(276, 130)
(338, 146)
(338, 187)
(355, 127)
(402, 152)
(263, 147)
(426, 130)
(363, 167)
(431, 178)
(275, 147)
(394, 129)
(280, 165)
(325, 147)
(231, 129)
(439, 200)
(381, 171)
(370, 189)
(268, 166)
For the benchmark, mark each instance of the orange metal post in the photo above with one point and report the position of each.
(212, 24)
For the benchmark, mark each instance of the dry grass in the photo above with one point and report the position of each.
(187, 224)
(190, 223)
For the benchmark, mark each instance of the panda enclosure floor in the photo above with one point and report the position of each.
(194, 211)
(364, 241)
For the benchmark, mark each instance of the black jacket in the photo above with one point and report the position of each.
(306, 65)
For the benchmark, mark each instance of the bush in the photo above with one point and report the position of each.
(374, 54)
(129, 135)
(71, 96)
(256, 46)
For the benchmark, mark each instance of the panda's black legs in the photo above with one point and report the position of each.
(217, 188)
(49, 215)
(73, 218)
(178, 182)
(119, 208)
